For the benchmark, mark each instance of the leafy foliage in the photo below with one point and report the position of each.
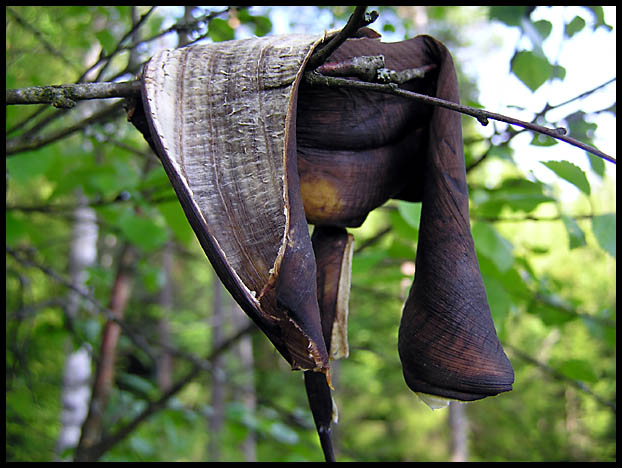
(548, 263)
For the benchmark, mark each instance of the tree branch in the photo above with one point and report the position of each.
(557, 375)
(18, 144)
(65, 96)
(106, 59)
(40, 37)
(357, 20)
(155, 405)
(316, 79)
(93, 425)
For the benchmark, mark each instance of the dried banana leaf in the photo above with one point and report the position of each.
(254, 153)
(223, 118)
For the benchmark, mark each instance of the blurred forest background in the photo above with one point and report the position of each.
(97, 243)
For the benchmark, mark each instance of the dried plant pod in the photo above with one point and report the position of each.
(374, 147)
(254, 153)
(333, 248)
(447, 339)
(222, 117)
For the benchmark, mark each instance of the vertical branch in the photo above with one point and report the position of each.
(184, 34)
(358, 19)
(92, 429)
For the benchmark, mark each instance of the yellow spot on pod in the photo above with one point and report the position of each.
(321, 198)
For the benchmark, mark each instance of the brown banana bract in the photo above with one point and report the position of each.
(254, 153)
(357, 149)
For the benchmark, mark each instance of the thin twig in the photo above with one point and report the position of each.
(137, 339)
(559, 376)
(39, 36)
(17, 145)
(118, 48)
(481, 115)
(65, 96)
(357, 20)
(156, 405)
(580, 96)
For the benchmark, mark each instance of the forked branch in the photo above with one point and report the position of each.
(371, 71)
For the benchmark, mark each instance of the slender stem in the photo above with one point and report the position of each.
(65, 96)
(481, 115)
(17, 145)
(582, 95)
(357, 20)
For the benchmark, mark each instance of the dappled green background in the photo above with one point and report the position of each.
(548, 262)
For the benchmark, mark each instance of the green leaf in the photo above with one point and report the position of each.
(578, 369)
(401, 249)
(532, 69)
(518, 194)
(136, 384)
(261, 25)
(16, 228)
(493, 246)
(498, 298)
(106, 40)
(576, 24)
(599, 17)
(542, 140)
(537, 32)
(549, 314)
(143, 232)
(402, 229)
(388, 28)
(604, 228)
(543, 27)
(366, 260)
(152, 277)
(559, 72)
(141, 446)
(597, 164)
(523, 194)
(571, 173)
(510, 15)
(411, 212)
(219, 30)
(576, 237)
(177, 221)
(283, 433)
(30, 164)
(579, 127)
(514, 283)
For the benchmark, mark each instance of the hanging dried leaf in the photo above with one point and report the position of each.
(254, 153)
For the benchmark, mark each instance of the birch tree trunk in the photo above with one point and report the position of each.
(75, 391)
